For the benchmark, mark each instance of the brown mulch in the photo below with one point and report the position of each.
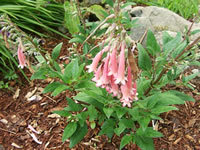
(181, 128)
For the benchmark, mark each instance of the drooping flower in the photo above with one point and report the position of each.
(114, 87)
(113, 61)
(95, 62)
(21, 56)
(105, 70)
(121, 68)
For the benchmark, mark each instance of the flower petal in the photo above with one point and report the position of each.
(121, 68)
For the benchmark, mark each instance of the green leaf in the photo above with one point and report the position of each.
(181, 95)
(97, 10)
(93, 114)
(75, 40)
(127, 4)
(108, 111)
(125, 140)
(96, 96)
(128, 123)
(160, 109)
(192, 76)
(110, 2)
(71, 71)
(40, 74)
(166, 38)
(120, 129)
(68, 72)
(144, 60)
(57, 67)
(179, 49)
(56, 51)
(163, 99)
(59, 89)
(71, 18)
(69, 131)
(82, 117)
(51, 87)
(78, 135)
(149, 132)
(86, 48)
(144, 122)
(195, 31)
(144, 143)
(120, 111)
(93, 125)
(72, 106)
(171, 45)
(151, 44)
(75, 69)
(62, 113)
(108, 128)
(83, 97)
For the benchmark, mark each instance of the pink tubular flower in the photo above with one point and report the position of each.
(95, 62)
(97, 74)
(105, 70)
(114, 87)
(121, 68)
(113, 61)
(21, 56)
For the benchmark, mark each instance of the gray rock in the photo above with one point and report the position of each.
(158, 20)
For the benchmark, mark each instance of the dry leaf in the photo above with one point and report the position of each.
(53, 116)
(177, 140)
(29, 94)
(191, 122)
(171, 137)
(17, 146)
(133, 64)
(35, 98)
(16, 95)
(190, 138)
(4, 121)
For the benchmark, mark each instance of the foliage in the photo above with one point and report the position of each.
(33, 15)
(185, 8)
(98, 106)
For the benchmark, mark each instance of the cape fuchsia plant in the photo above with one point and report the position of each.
(114, 71)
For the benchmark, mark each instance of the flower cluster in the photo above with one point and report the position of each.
(113, 72)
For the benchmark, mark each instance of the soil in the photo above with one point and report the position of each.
(181, 128)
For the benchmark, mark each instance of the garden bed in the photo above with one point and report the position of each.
(180, 128)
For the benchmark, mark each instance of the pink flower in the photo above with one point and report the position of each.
(113, 61)
(21, 56)
(97, 74)
(114, 87)
(121, 69)
(95, 62)
(105, 70)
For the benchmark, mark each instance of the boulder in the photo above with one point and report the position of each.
(158, 20)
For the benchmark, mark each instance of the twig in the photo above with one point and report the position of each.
(187, 48)
(50, 98)
(109, 17)
(80, 14)
(8, 131)
(143, 36)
